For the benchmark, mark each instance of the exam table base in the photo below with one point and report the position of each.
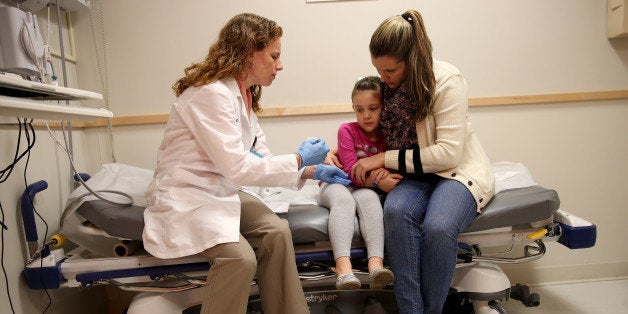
(323, 298)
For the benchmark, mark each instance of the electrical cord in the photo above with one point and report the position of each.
(4, 175)
(47, 47)
(102, 65)
(30, 200)
(6, 172)
(4, 270)
(80, 179)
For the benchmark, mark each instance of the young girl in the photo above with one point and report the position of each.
(357, 140)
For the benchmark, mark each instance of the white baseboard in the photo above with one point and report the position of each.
(530, 274)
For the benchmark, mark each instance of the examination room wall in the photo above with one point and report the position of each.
(504, 48)
(133, 51)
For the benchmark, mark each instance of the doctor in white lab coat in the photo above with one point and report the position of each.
(212, 146)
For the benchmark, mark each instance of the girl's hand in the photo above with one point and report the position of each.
(388, 183)
(378, 174)
(360, 169)
(332, 158)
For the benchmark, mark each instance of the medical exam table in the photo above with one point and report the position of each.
(105, 243)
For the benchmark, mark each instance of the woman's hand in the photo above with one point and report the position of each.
(312, 152)
(360, 169)
(331, 174)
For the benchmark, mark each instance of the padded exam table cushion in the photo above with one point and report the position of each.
(308, 223)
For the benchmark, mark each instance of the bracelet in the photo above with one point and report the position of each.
(375, 183)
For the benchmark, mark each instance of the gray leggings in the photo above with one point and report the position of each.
(343, 202)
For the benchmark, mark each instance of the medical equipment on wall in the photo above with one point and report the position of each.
(67, 5)
(22, 48)
(513, 228)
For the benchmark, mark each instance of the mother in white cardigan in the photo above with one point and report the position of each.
(447, 177)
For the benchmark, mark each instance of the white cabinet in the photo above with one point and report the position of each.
(617, 19)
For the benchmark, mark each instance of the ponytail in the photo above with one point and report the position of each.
(404, 37)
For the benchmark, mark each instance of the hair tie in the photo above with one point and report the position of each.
(407, 17)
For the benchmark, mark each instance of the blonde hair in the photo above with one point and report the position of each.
(229, 56)
(404, 37)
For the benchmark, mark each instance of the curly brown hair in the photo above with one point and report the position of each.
(229, 56)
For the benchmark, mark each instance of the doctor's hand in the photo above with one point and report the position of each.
(312, 152)
(331, 174)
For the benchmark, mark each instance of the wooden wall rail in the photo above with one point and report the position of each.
(346, 108)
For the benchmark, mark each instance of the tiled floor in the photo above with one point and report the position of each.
(610, 296)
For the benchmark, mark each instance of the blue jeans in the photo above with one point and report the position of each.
(422, 221)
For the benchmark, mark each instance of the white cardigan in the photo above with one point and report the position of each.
(448, 146)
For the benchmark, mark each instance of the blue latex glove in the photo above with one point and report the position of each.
(312, 152)
(331, 174)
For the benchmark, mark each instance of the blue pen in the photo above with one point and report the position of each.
(256, 154)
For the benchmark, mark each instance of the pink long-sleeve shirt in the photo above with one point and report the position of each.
(353, 145)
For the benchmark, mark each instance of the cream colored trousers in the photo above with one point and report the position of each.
(265, 249)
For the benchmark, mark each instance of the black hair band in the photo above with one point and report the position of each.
(407, 17)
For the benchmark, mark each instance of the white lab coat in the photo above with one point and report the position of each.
(203, 160)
